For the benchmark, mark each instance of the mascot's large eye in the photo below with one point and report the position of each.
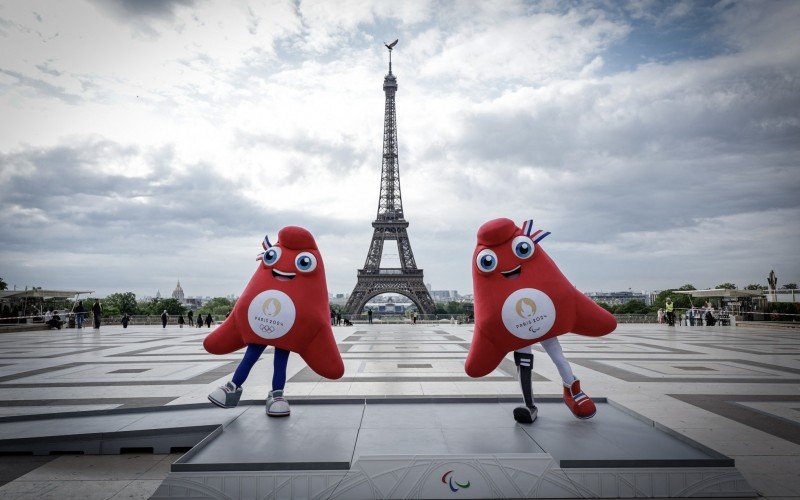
(523, 247)
(306, 262)
(271, 256)
(486, 260)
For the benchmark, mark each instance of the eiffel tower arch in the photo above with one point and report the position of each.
(390, 226)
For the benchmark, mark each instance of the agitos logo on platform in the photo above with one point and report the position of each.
(454, 485)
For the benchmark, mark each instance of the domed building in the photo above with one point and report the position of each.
(178, 293)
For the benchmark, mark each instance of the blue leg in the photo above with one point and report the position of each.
(250, 357)
(279, 369)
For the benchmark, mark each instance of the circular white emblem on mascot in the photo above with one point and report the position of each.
(528, 313)
(271, 314)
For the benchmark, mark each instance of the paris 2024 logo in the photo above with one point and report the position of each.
(528, 313)
(271, 314)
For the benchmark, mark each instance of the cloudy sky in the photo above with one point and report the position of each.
(146, 141)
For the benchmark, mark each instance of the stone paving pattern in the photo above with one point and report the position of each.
(735, 390)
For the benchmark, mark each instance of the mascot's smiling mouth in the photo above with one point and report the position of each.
(282, 276)
(512, 274)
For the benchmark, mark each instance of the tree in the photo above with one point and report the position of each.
(633, 307)
(755, 287)
(789, 286)
(454, 308)
(118, 303)
(726, 286)
(3, 285)
(157, 306)
(679, 300)
(218, 306)
(606, 307)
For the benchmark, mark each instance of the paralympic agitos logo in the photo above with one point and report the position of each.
(454, 485)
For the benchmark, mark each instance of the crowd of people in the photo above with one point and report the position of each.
(77, 316)
(693, 316)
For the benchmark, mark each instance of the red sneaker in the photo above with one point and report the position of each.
(579, 403)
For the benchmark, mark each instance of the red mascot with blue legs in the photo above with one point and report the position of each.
(521, 298)
(285, 305)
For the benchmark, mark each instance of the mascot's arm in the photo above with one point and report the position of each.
(483, 355)
(591, 319)
(322, 354)
(224, 339)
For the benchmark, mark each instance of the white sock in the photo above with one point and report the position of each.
(553, 349)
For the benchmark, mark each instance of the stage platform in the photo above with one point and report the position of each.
(394, 448)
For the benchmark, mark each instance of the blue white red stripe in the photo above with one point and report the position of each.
(536, 235)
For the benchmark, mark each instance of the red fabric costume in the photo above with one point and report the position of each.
(522, 298)
(285, 305)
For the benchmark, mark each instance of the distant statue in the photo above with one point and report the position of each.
(772, 280)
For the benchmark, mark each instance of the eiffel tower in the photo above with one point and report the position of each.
(390, 225)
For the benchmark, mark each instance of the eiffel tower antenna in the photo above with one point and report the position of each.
(390, 225)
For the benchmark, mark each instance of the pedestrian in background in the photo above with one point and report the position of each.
(199, 321)
(80, 313)
(164, 319)
(190, 315)
(97, 310)
(180, 321)
(670, 312)
(208, 320)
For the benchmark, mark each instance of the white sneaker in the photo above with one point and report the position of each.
(226, 396)
(276, 405)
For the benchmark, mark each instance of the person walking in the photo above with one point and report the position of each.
(369, 316)
(125, 320)
(338, 319)
(180, 321)
(670, 312)
(97, 310)
(414, 317)
(190, 315)
(199, 321)
(333, 317)
(80, 313)
(208, 320)
(164, 318)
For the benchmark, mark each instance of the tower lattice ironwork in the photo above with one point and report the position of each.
(390, 225)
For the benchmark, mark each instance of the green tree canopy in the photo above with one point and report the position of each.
(454, 308)
(217, 307)
(633, 307)
(155, 307)
(606, 307)
(726, 286)
(118, 303)
(789, 286)
(3, 285)
(679, 300)
(755, 287)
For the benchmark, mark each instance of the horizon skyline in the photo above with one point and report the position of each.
(657, 140)
(168, 292)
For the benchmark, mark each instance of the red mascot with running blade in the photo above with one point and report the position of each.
(285, 305)
(521, 298)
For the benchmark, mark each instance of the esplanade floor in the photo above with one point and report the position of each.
(735, 390)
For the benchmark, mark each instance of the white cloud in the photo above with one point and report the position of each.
(231, 118)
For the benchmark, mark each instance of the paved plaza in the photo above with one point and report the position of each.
(733, 390)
